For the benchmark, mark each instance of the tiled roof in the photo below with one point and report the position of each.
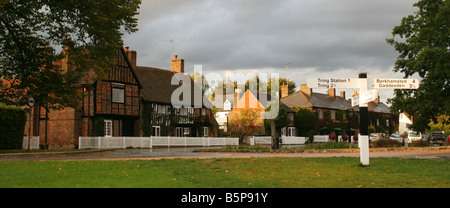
(157, 87)
(319, 100)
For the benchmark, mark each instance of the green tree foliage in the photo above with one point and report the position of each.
(423, 42)
(32, 34)
(305, 121)
(443, 124)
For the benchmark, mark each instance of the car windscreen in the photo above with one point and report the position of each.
(414, 134)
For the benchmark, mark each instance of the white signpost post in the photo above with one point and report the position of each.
(363, 99)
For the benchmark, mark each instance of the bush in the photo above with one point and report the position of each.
(419, 143)
(385, 142)
(12, 126)
(332, 137)
(344, 137)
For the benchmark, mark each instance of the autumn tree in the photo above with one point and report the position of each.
(33, 33)
(243, 122)
(423, 42)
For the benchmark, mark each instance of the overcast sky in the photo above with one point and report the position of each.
(320, 38)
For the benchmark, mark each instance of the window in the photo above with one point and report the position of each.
(290, 116)
(179, 132)
(118, 95)
(203, 111)
(319, 113)
(227, 105)
(291, 131)
(156, 131)
(205, 131)
(283, 131)
(186, 131)
(108, 128)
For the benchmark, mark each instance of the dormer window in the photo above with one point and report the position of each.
(227, 105)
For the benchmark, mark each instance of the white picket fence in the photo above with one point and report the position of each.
(291, 140)
(150, 142)
(34, 142)
(254, 140)
(325, 138)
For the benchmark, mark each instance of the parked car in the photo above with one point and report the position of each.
(436, 137)
(414, 136)
(375, 136)
(397, 137)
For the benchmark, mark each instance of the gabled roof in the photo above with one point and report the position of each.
(157, 87)
(252, 99)
(318, 100)
(218, 103)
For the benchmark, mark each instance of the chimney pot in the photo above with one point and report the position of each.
(175, 56)
(126, 48)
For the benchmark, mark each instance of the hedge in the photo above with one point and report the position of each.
(12, 126)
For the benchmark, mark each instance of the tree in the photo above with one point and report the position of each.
(443, 124)
(242, 123)
(32, 33)
(305, 121)
(280, 121)
(424, 50)
(289, 83)
(200, 80)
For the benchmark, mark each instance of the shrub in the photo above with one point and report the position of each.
(419, 143)
(12, 126)
(355, 137)
(385, 142)
(344, 137)
(332, 137)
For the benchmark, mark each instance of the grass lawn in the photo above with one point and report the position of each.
(222, 173)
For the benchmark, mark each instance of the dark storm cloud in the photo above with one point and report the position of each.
(325, 35)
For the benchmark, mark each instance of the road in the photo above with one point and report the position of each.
(188, 152)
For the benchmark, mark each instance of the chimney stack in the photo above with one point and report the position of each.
(284, 90)
(305, 89)
(332, 92)
(377, 101)
(343, 95)
(177, 65)
(132, 55)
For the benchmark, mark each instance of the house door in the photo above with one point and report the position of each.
(128, 127)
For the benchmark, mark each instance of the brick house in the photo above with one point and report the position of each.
(336, 111)
(259, 102)
(160, 117)
(115, 106)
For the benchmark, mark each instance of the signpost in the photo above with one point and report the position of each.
(367, 97)
(363, 99)
(332, 83)
(396, 83)
(30, 102)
